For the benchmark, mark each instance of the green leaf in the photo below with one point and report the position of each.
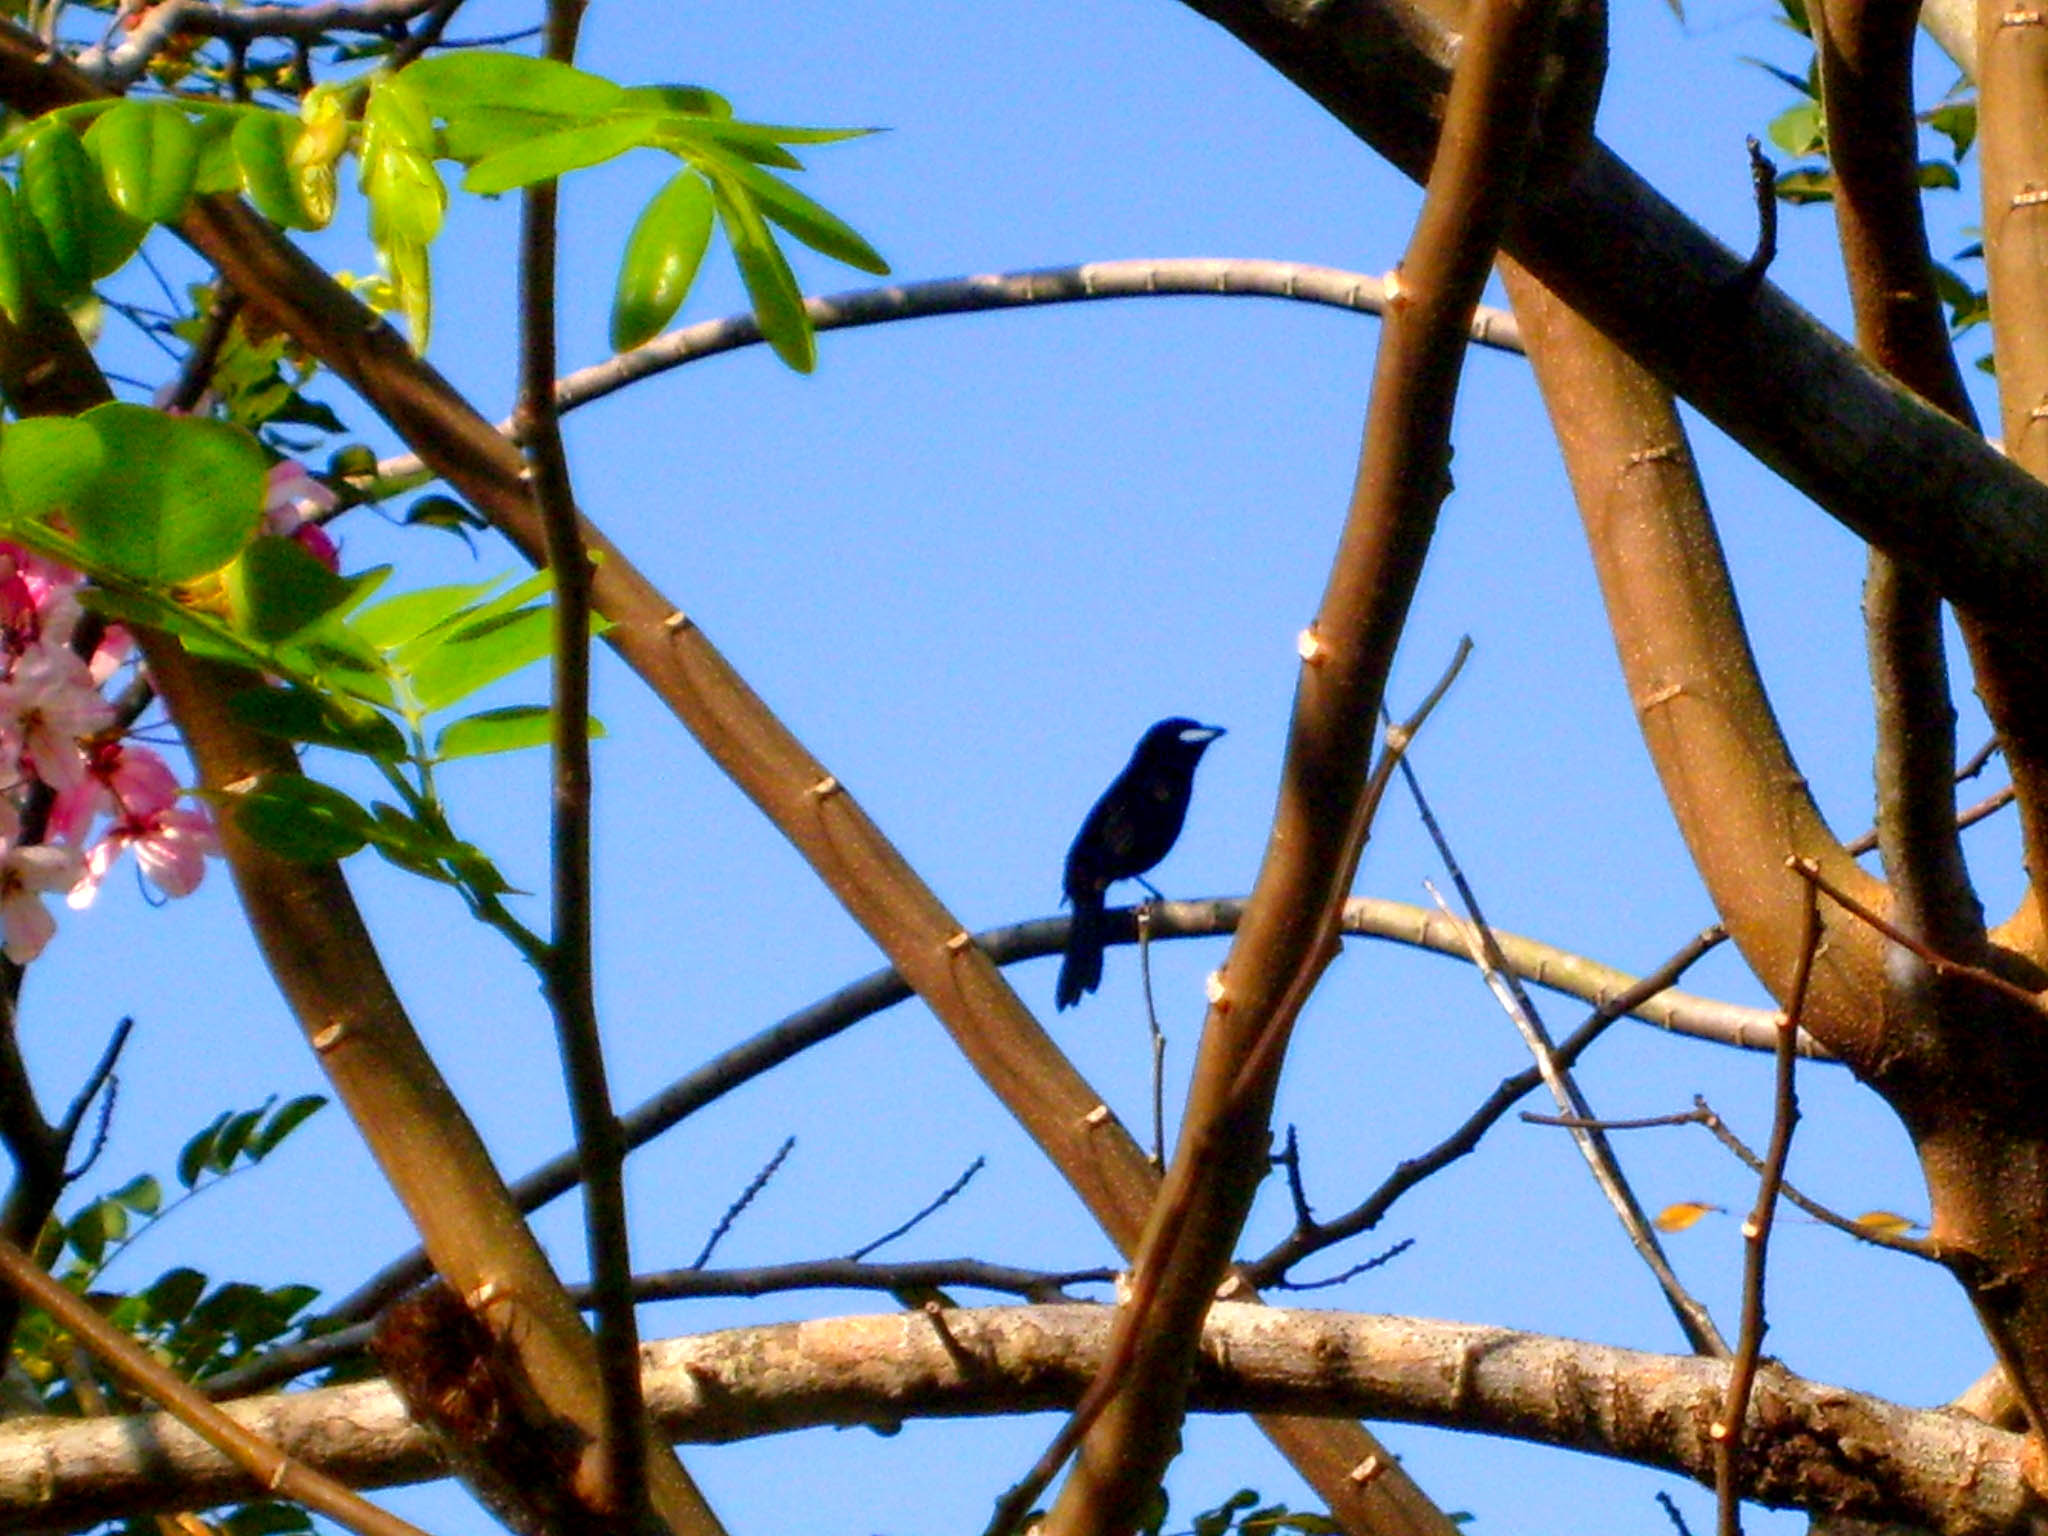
(301, 819)
(234, 1135)
(14, 273)
(1955, 121)
(194, 1155)
(148, 153)
(263, 143)
(296, 714)
(450, 83)
(279, 587)
(176, 497)
(93, 1228)
(48, 464)
(267, 1518)
(819, 228)
(1806, 186)
(1798, 129)
(141, 1194)
(511, 729)
(409, 615)
(690, 100)
(57, 185)
(173, 1294)
(1939, 173)
(662, 256)
(480, 654)
(554, 154)
(285, 1119)
(778, 303)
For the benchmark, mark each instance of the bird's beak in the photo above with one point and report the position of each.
(1195, 735)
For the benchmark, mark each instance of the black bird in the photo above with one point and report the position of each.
(1132, 827)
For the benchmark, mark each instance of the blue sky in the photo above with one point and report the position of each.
(968, 562)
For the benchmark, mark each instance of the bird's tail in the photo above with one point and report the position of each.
(1081, 970)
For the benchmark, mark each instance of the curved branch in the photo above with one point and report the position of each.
(1740, 800)
(1816, 1447)
(1162, 277)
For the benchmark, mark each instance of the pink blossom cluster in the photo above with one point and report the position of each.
(102, 793)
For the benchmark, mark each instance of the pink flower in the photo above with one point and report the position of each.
(171, 846)
(25, 874)
(38, 599)
(292, 498)
(46, 706)
(120, 779)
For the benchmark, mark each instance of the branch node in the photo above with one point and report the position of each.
(327, 1039)
(676, 622)
(1664, 695)
(960, 940)
(1396, 291)
(1099, 1115)
(1308, 645)
(1368, 1472)
(1233, 1285)
(1217, 991)
(1657, 453)
(825, 788)
(2030, 197)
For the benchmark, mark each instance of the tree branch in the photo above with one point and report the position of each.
(1824, 1449)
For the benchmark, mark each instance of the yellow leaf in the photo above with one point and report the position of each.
(1676, 1218)
(1886, 1223)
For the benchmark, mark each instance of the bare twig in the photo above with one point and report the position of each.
(1940, 964)
(1763, 184)
(943, 1198)
(1875, 1236)
(1310, 1237)
(1726, 1431)
(745, 1198)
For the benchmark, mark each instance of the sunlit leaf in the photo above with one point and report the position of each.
(778, 302)
(511, 729)
(555, 154)
(1686, 1213)
(301, 819)
(1886, 1223)
(662, 256)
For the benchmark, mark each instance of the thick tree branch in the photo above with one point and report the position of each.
(1821, 1448)
(1289, 932)
(810, 806)
(1727, 773)
(1865, 51)
(1764, 371)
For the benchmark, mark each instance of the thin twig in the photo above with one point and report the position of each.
(1756, 1232)
(600, 1142)
(1310, 1236)
(746, 1198)
(943, 1198)
(101, 1075)
(1693, 1318)
(1586, 1123)
(1940, 964)
(1350, 1274)
(286, 1362)
(263, 1461)
(1875, 1236)
(1763, 186)
(1397, 922)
